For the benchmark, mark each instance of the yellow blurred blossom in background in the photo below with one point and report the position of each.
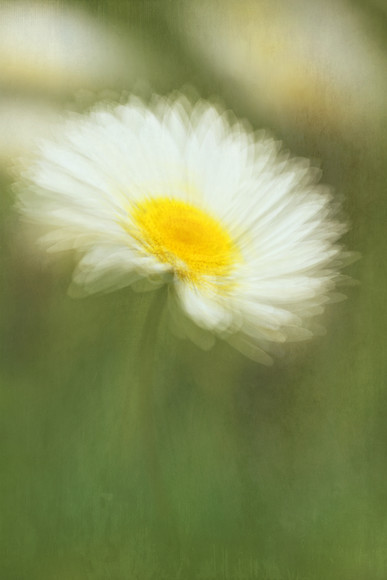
(303, 62)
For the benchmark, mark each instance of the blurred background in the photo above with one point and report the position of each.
(238, 471)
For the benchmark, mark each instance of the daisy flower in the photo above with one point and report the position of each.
(184, 194)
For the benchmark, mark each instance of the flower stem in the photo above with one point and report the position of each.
(146, 410)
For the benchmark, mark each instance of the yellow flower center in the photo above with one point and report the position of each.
(177, 233)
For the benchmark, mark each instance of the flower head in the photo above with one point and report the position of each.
(179, 192)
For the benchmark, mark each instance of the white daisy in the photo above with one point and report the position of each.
(179, 193)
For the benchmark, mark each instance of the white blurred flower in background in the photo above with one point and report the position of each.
(22, 121)
(183, 193)
(310, 63)
(49, 53)
(56, 48)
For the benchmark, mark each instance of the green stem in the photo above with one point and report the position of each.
(147, 416)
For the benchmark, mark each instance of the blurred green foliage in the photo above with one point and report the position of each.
(256, 473)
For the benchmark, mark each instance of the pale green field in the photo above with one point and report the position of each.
(237, 471)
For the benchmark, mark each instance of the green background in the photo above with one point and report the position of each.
(230, 470)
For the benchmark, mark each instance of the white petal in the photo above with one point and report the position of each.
(206, 312)
(107, 268)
